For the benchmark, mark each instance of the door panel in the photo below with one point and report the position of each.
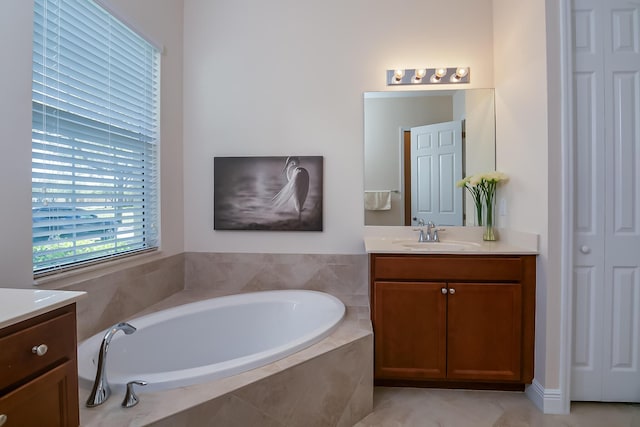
(410, 331)
(484, 331)
(606, 298)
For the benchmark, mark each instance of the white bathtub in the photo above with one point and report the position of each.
(214, 338)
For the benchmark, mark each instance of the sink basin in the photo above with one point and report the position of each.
(444, 246)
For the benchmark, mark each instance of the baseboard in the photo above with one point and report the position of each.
(549, 401)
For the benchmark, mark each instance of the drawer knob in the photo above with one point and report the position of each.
(444, 291)
(40, 350)
(452, 291)
(3, 419)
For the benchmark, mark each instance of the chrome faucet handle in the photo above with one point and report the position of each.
(421, 222)
(434, 236)
(130, 397)
(422, 237)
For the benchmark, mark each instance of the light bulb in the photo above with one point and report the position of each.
(440, 72)
(420, 73)
(461, 72)
(398, 75)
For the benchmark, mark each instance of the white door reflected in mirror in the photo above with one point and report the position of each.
(436, 164)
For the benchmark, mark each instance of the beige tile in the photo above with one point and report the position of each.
(116, 296)
(408, 407)
(336, 274)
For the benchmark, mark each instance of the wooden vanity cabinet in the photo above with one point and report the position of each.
(448, 320)
(40, 389)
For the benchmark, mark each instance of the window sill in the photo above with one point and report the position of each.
(71, 277)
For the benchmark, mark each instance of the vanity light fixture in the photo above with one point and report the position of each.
(435, 76)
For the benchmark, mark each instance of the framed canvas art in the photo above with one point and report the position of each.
(268, 193)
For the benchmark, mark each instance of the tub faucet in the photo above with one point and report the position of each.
(101, 391)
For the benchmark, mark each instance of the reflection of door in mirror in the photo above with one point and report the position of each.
(411, 215)
(436, 166)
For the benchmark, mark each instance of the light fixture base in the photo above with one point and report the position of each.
(428, 76)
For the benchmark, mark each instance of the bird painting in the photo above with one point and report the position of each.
(296, 188)
(258, 193)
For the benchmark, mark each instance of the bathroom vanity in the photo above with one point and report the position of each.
(460, 316)
(38, 367)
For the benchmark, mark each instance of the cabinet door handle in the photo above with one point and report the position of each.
(452, 291)
(585, 249)
(40, 350)
(3, 419)
(444, 291)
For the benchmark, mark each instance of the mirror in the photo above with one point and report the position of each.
(388, 119)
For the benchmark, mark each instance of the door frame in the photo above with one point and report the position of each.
(566, 208)
(405, 143)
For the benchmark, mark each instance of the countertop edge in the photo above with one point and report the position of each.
(17, 305)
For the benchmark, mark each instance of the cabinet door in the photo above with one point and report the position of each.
(409, 321)
(49, 400)
(484, 331)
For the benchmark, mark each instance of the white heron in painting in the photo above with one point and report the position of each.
(296, 188)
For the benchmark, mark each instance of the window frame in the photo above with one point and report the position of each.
(101, 166)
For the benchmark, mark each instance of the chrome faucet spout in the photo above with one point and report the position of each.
(101, 390)
(431, 233)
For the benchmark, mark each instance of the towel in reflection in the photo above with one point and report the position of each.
(377, 200)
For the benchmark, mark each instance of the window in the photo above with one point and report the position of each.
(95, 137)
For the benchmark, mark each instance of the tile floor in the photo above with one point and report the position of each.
(415, 407)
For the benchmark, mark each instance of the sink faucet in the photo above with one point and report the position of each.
(430, 235)
(101, 391)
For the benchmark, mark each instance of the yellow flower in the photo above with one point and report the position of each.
(495, 176)
(463, 182)
(474, 180)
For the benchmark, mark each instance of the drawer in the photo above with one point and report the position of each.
(17, 360)
(446, 267)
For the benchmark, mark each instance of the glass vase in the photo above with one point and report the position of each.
(479, 209)
(489, 233)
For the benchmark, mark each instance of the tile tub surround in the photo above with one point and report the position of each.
(344, 276)
(327, 384)
(119, 294)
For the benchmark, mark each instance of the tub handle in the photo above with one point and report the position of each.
(130, 398)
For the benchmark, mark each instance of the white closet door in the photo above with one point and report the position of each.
(606, 279)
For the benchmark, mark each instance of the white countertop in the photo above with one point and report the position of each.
(17, 305)
(453, 240)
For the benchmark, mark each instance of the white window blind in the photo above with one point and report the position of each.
(95, 137)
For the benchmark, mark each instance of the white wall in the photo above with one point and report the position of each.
(287, 77)
(15, 144)
(161, 20)
(523, 151)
